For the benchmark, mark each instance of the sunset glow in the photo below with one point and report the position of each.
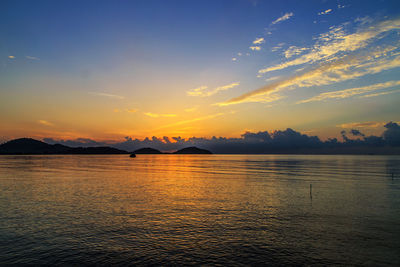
(104, 71)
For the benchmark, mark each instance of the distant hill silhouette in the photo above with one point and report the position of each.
(192, 150)
(147, 150)
(27, 146)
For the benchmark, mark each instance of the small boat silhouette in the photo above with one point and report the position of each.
(133, 155)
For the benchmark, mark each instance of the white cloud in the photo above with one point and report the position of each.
(258, 41)
(286, 16)
(11, 57)
(255, 48)
(325, 12)
(234, 59)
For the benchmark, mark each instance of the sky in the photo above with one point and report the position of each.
(106, 70)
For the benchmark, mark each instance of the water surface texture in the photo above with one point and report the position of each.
(200, 209)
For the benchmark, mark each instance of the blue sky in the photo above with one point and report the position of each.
(108, 69)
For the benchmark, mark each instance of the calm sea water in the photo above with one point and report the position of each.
(200, 209)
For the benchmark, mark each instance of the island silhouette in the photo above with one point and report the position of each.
(29, 146)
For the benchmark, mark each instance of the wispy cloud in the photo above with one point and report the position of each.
(11, 57)
(258, 41)
(132, 110)
(32, 58)
(106, 95)
(346, 68)
(294, 51)
(203, 92)
(351, 92)
(192, 109)
(329, 45)
(255, 48)
(381, 93)
(155, 115)
(234, 59)
(286, 16)
(277, 47)
(324, 12)
(46, 123)
(368, 124)
(270, 79)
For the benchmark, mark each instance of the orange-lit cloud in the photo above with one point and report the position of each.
(368, 124)
(155, 115)
(107, 95)
(255, 48)
(351, 92)
(46, 123)
(203, 92)
(337, 41)
(258, 41)
(342, 69)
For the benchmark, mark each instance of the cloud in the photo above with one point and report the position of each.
(46, 123)
(255, 48)
(11, 57)
(350, 92)
(272, 78)
(155, 115)
(356, 132)
(277, 47)
(132, 110)
(368, 124)
(234, 59)
(379, 94)
(392, 134)
(345, 68)
(336, 41)
(258, 41)
(202, 91)
(325, 12)
(32, 58)
(278, 141)
(239, 54)
(106, 95)
(191, 109)
(294, 51)
(286, 16)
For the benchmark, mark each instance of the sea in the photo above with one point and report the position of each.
(212, 210)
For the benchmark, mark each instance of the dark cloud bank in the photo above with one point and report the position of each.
(287, 141)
